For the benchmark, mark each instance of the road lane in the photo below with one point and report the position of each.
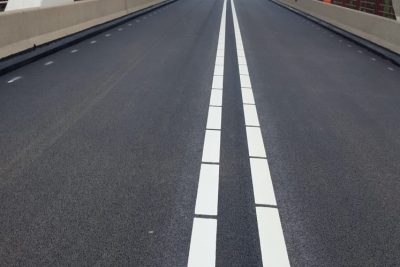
(100, 151)
(329, 117)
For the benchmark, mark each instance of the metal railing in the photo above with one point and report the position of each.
(382, 8)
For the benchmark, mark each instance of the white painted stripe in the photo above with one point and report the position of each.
(243, 70)
(220, 52)
(262, 183)
(93, 42)
(216, 97)
(214, 118)
(211, 146)
(245, 81)
(255, 142)
(207, 192)
(218, 70)
(247, 96)
(218, 82)
(74, 51)
(272, 241)
(391, 69)
(202, 250)
(14, 79)
(219, 61)
(48, 63)
(108, 35)
(250, 115)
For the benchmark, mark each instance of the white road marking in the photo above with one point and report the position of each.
(93, 42)
(48, 63)
(255, 142)
(202, 250)
(373, 59)
(218, 70)
(219, 61)
(391, 69)
(74, 51)
(211, 146)
(272, 241)
(250, 115)
(216, 98)
(243, 70)
(214, 118)
(218, 82)
(245, 81)
(207, 192)
(120, 29)
(108, 35)
(14, 79)
(247, 96)
(262, 184)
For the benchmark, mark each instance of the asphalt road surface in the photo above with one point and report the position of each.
(203, 133)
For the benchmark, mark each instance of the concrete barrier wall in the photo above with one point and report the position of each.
(382, 31)
(24, 29)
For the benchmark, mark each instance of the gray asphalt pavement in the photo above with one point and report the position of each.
(101, 144)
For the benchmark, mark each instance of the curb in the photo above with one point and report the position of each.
(23, 58)
(377, 49)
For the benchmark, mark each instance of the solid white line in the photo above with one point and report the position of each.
(250, 115)
(243, 70)
(48, 63)
(247, 96)
(262, 184)
(211, 146)
(214, 118)
(255, 142)
(216, 97)
(219, 61)
(207, 192)
(202, 250)
(272, 241)
(14, 79)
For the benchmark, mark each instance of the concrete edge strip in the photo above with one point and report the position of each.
(371, 46)
(30, 55)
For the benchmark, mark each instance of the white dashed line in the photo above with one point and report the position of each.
(93, 42)
(14, 79)
(272, 242)
(74, 51)
(203, 243)
(207, 192)
(48, 63)
(120, 29)
(391, 69)
(204, 233)
(108, 35)
(373, 59)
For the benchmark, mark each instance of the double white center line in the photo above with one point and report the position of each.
(204, 232)
(272, 242)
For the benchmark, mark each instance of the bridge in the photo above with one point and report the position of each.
(200, 133)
